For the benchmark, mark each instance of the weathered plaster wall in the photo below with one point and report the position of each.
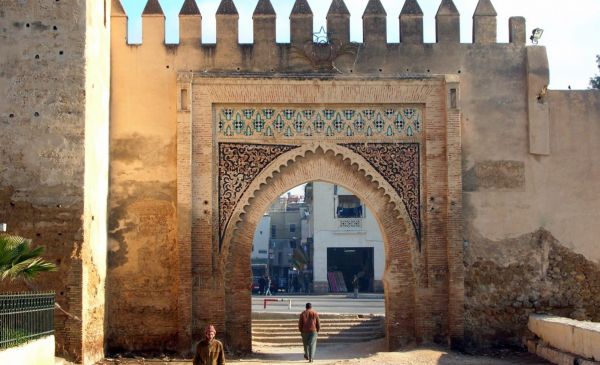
(512, 192)
(97, 104)
(142, 256)
(514, 199)
(53, 117)
(568, 177)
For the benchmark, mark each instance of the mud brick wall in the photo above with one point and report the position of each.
(54, 157)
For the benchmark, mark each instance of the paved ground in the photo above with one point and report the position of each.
(369, 353)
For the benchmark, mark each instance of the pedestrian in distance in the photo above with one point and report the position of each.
(268, 291)
(209, 351)
(355, 284)
(309, 327)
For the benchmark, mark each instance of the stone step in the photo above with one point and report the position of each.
(341, 320)
(292, 340)
(323, 316)
(324, 325)
(341, 331)
(271, 331)
(282, 330)
(331, 320)
(322, 335)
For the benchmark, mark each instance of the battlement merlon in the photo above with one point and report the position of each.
(374, 23)
(301, 23)
(447, 22)
(153, 21)
(264, 23)
(227, 24)
(411, 23)
(190, 24)
(484, 23)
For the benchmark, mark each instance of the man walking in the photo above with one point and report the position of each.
(209, 351)
(309, 326)
(268, 291)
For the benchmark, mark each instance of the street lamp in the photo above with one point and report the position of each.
(536, 34)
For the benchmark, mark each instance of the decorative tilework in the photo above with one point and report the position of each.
(386, 121)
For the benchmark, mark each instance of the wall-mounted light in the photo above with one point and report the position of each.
(2, 227)
(536, 34)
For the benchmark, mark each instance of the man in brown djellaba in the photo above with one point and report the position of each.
(209, 351)
(309, 326)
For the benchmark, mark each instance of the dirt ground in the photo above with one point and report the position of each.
(364, 353)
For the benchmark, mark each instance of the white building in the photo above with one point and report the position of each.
(260, 244)
(346, 237)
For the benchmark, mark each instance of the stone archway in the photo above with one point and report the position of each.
(279, 132)
(339, 165)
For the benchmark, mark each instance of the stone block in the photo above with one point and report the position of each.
(577, 337)
(555, 356)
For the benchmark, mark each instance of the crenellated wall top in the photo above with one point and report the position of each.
(447, 21)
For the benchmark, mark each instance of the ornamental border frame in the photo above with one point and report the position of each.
(197, 144)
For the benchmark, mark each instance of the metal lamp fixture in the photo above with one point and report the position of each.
(536, 34)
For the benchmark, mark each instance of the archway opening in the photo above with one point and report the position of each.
(399, 239)
(314, 239)
(317, 243)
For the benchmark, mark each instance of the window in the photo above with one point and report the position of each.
(273, 231)
(292, 228)
(349, 206)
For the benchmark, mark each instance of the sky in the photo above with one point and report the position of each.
(571, 29)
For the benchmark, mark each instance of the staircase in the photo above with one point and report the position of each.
(282, 329)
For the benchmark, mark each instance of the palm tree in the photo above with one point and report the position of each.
(19, 261)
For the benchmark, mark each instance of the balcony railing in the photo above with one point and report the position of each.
(25, 317)
(350, 224)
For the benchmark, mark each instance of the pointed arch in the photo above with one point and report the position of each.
(338, 165)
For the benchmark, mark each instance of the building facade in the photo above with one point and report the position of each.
(347, 238)
(260, 242)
